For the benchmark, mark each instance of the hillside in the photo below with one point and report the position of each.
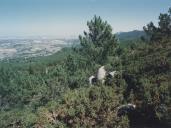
(55, 91)
(131, 35)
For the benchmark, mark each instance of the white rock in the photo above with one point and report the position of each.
(113, 73)
(101, 74)
(90, 79)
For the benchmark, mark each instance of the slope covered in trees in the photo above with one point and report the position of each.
(54, 92)
(132, 35)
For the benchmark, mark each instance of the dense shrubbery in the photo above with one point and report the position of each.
(54, 91)
(86, 107)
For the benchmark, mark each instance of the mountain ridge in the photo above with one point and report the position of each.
(130, 35)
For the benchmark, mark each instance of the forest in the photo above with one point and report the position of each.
(54, 91)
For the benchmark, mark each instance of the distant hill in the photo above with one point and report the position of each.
(130, 35)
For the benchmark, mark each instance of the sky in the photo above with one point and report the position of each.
(68, 18)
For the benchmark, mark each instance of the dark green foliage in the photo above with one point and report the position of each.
(85, 107)
(162, 31)
(53, 91)
(147, 73)
(99, 42)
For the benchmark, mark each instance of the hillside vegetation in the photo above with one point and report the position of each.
(124, 36)
(53, 91)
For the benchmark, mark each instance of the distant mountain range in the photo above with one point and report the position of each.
(130, 35)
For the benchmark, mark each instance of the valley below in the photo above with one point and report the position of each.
(26, 48)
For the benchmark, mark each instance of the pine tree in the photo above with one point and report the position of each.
(162, 31)
(99, 42)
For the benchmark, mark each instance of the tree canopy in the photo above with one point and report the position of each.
(99, 42)
(162, 31)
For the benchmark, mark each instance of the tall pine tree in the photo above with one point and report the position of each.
(99, 42)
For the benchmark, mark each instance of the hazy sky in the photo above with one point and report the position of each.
(66, 18)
